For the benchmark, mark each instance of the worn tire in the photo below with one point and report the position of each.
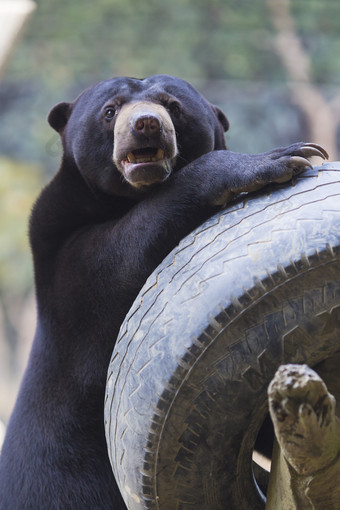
(256, 286)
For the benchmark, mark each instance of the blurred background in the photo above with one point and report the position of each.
(273, 66)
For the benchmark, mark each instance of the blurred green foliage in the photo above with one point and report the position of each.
(210, 39)
(19, 185)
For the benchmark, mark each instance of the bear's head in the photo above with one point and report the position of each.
(125, 134)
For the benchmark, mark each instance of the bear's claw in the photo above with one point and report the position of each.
(299, 163)
(313, 149)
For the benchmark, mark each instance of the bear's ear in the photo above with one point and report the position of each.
(221, 118)
(59, 115)
(223, 126)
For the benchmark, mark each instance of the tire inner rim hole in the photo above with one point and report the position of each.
(262, 454)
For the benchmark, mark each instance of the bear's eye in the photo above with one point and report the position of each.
(110, 113)
(174, 108)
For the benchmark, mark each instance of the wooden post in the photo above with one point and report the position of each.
(305, 472)
(13, 15)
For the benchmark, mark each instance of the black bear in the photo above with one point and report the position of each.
(144, 162)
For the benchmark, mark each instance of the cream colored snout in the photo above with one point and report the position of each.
(144, 143)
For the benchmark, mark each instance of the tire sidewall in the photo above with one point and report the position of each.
(223, 399)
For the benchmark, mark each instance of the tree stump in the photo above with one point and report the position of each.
(305, 472)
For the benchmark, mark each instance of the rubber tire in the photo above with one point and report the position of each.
(256, 286)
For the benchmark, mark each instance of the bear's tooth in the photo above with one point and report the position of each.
(160, 154)
(131, 158)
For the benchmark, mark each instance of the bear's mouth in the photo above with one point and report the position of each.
(146, 166)
(145, 155)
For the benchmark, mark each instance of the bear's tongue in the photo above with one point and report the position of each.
(145, 155)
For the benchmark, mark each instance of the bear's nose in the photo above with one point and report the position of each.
(147, 125)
